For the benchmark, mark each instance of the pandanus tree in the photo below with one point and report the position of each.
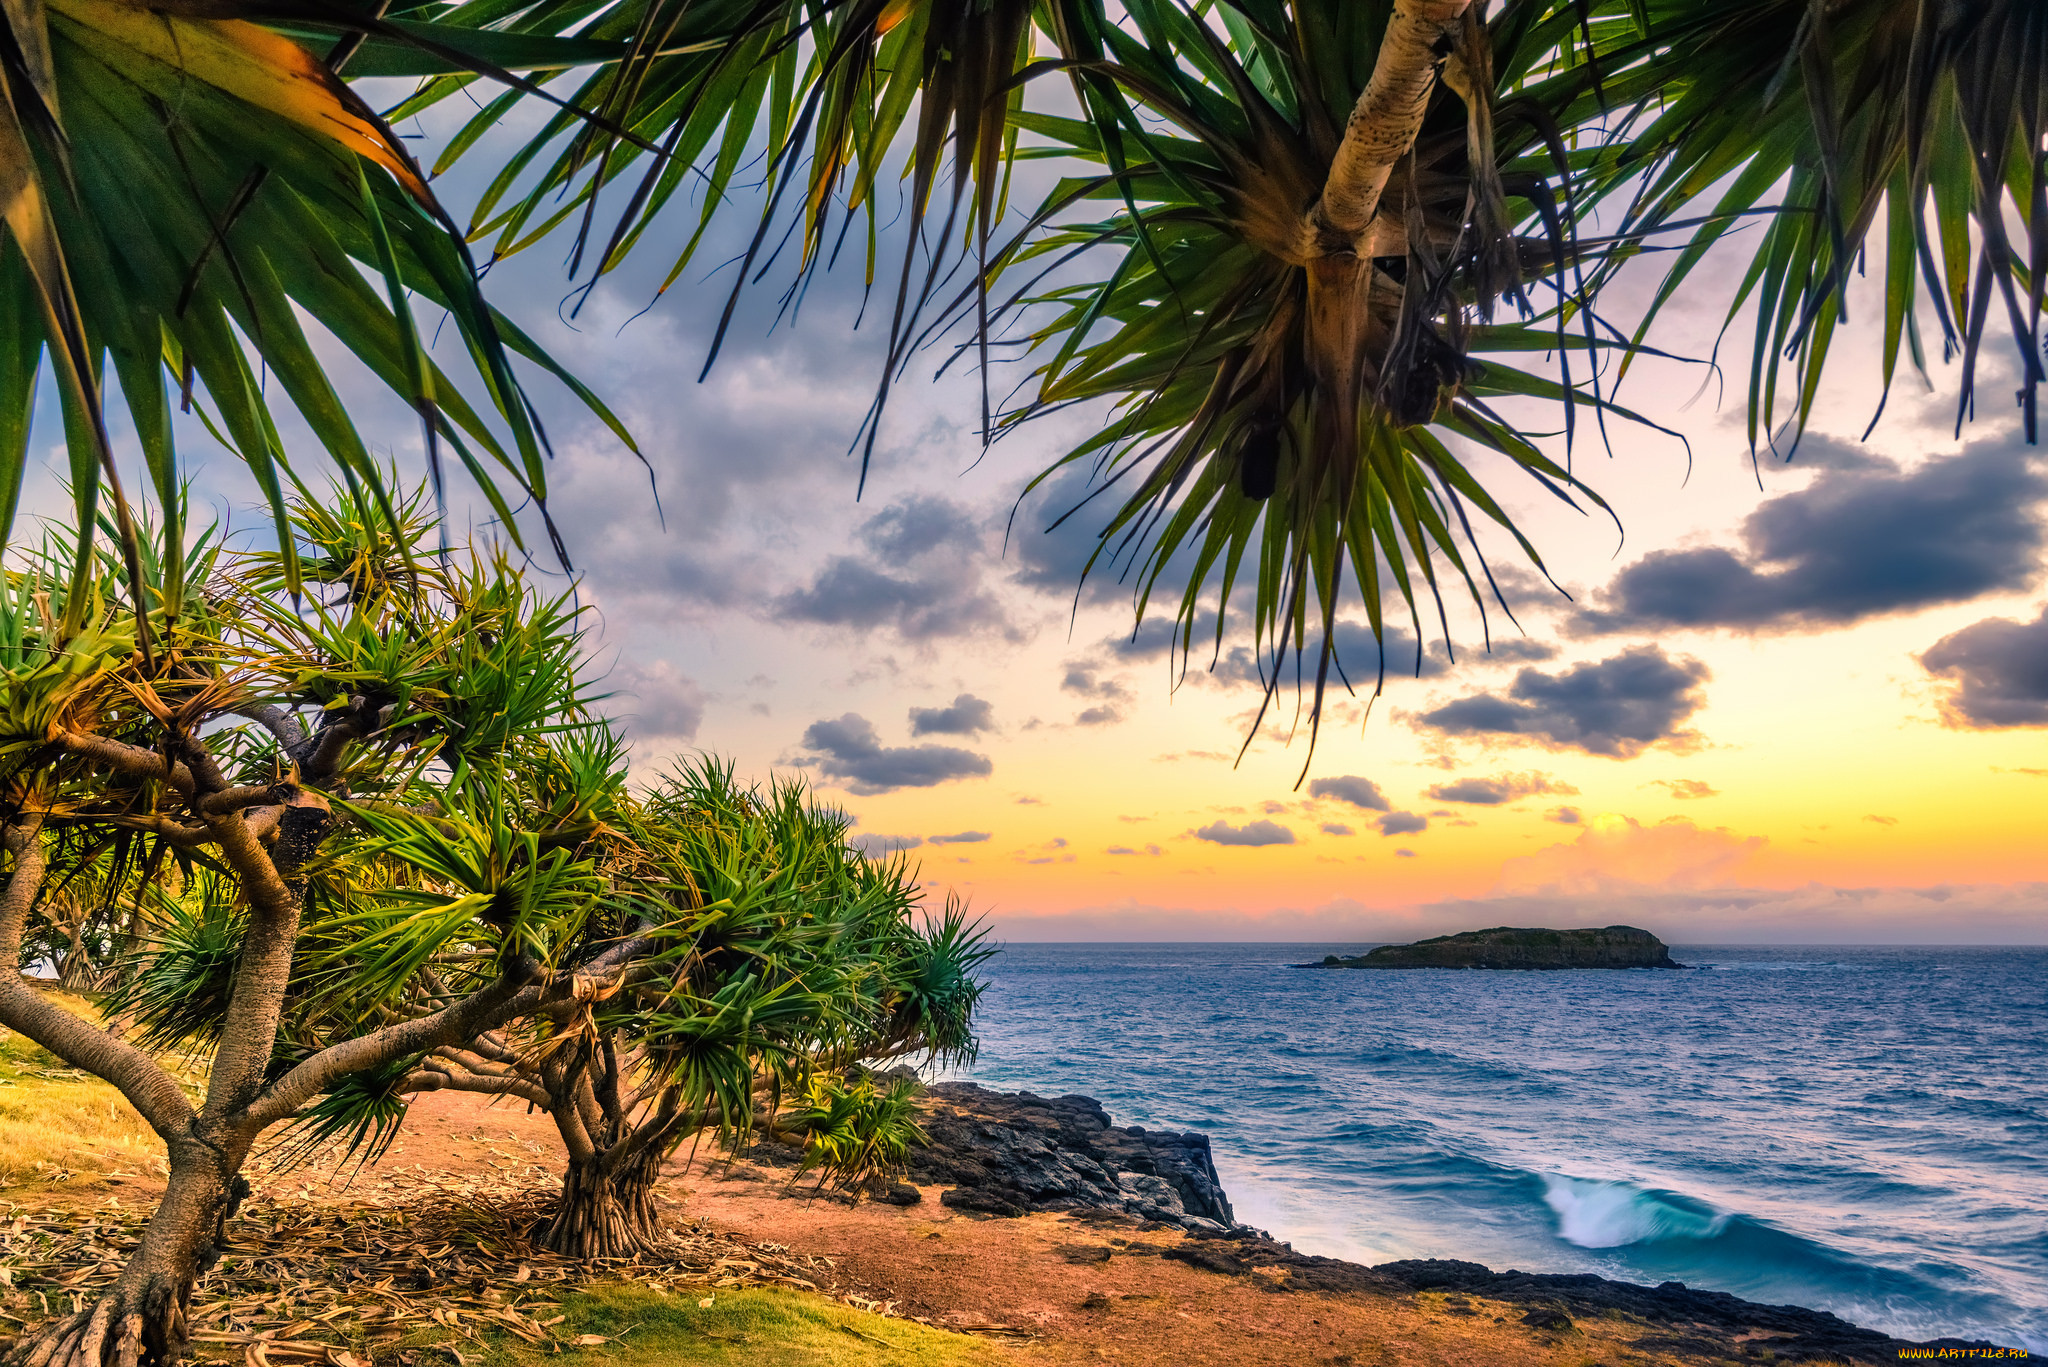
(771, 965)
(1319, 263)
(184, 186)
(287, 694)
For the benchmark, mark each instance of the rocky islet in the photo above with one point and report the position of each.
(1512, 947)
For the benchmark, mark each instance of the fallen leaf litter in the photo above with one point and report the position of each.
(302, 1282)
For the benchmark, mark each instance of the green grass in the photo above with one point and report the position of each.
(740, 1328)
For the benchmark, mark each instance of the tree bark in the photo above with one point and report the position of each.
(1388, 115)
(607, 1214)
(141, 1320)
(78, 972)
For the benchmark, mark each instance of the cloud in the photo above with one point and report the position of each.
(1362, 793)
(1619, 854)
(1492, 792)
(849, 751)
(656, 699)
(1404, 854)
(1099, 716)
(921, 575)
(1864, 539)
(1615, 707)
(1251, 833)
(882, 846)
(1403, 823)
(963, 838)
(1998, 669)
(1337, 828)
(1565, 816)
(1126, 849)
(1086, 678)
(968, 716)
(1882, 820)
(1685, 789)
(1046, 853)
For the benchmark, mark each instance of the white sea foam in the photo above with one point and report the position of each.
(1596, 1214)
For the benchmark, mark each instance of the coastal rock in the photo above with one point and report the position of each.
(1007, 1153)
(1714, 1322)
(1012, 1154)
(1526, 948)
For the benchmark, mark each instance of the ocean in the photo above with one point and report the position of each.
(1862, 1130)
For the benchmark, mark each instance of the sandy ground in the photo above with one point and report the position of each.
(1054, 1290)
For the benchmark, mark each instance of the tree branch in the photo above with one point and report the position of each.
(434, 1080)
(464, 1020)
(246, 795)
(132, 760)
(281, 722)
(262, 971)
(171, 832)
(1388, 115)
(151, 1090)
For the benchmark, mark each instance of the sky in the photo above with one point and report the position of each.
(1784, 702)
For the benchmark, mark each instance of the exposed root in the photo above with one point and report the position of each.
(606, 1216)
(139, 1328)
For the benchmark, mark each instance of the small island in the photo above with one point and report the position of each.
(1510, 947)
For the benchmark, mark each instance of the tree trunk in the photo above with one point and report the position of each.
(1384, 122)
(140, 1320)
(78, 973)
(607, 1215)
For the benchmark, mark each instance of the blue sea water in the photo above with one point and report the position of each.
(1859, 1130)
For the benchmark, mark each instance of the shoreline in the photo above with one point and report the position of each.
(1021, 1153)
(1085, 1284)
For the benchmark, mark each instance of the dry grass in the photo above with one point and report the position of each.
(57, 1123)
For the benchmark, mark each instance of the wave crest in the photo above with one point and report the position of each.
(1603, 1214)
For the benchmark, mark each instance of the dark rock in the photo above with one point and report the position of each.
(1036, 1153)
(1206, 1256)
(1508, 947)
(1083, 1254)
(1540, 1318)
(980, 1201)
(1253, 1252)
(1797, 1334)
(900, 1194)
(1683, 1344)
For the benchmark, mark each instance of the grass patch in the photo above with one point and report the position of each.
(57, 1123)
(740, 1328)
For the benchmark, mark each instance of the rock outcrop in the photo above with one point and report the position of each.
(1711, 1325)
(1013, 1153)
(1008, 1153)
(1509, 947)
